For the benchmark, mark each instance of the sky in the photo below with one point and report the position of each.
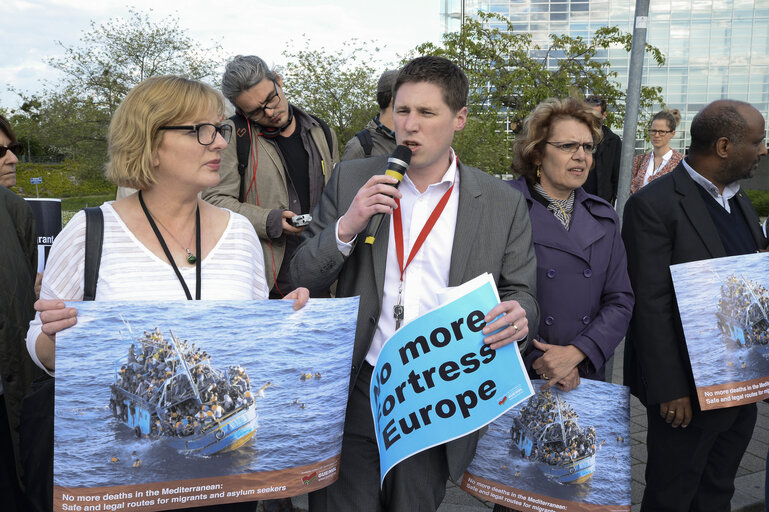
(31, 29)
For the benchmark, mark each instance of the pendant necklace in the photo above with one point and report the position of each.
(190, 257)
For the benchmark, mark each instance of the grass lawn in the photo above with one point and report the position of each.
(71, 205)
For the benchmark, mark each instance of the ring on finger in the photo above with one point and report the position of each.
(516, 328)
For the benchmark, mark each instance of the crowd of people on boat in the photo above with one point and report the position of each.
(154, 374)
(553, 427)
(743, 311)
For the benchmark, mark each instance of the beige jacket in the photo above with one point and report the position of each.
(269, 185)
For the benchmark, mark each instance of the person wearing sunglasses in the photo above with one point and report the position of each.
(18, 263)
(10, 152)
(583, 288)
(165, 140)
(662, 159)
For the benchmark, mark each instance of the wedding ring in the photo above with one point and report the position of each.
(516, 328)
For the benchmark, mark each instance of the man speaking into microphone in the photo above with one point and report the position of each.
(446, 224)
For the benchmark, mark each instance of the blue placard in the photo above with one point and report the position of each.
(435, 380)
(36, 181)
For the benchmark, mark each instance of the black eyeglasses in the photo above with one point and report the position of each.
(271, 102)
(206, 132)
(660, 132)
(573, 147)
(16, 148)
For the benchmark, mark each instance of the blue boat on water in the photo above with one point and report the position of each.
(743, 312)
(547, 432)
(169, 390)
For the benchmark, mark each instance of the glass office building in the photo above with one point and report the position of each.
(714, 48)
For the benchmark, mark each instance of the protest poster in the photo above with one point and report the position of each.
(435, 380)
(47, 214)
(558, 451)
(264, 419)
(724, 308)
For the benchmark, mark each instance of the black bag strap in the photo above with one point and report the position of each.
(366, 142)
(326, 132)
(94, 237)
(242, 145)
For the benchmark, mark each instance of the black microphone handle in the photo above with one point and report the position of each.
(376, 220)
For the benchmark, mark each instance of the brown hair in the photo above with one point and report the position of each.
(673, 117)
(529, 145)
(5, 127)
(439, 71)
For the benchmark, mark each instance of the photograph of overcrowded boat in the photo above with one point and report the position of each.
(570, 447)
(167, 388)
(200, 389)
(724, 307)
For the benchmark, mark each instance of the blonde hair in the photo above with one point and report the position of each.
(529, 145)
(134, 134)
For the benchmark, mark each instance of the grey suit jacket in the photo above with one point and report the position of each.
(493, 234)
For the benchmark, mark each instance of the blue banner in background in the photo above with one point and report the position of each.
(435, 380)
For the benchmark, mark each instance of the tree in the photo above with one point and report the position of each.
(509, 76)
(339, 87)
(73, 113)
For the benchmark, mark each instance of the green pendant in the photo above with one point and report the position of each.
(191, 257)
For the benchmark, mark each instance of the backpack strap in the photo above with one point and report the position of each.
(242, 145)
(326, 132)
(366, 142)
(94, 237)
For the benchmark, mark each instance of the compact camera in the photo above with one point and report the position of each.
(299, 221)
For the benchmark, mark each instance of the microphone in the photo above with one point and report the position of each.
(397, 165)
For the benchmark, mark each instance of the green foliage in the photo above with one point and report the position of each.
(338, 87)
(760, 200)
(75, 204)
(509, 76)
(68, 179)
(71, 116)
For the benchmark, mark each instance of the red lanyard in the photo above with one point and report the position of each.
(398, 222)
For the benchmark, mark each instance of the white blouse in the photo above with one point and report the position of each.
(233, 270)
(651, 171)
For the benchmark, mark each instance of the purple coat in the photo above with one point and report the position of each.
(583, 288)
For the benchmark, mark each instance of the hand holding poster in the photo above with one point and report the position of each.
(558, 452)
(435, 380)
(724, 306)
(199, 403)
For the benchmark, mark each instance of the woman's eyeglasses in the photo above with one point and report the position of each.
(206, 132)
(573, 147)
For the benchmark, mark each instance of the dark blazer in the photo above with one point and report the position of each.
(665, 223)
(18, 266)
(604, 176)
(493, 234)
(583, 289)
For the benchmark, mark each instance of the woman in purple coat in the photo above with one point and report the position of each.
(583, 287)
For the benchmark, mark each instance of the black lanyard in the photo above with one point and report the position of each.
(168, 253)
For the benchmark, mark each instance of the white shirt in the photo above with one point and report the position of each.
(428, 272)
(651, 171)
(723, 199)
(234, 269)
